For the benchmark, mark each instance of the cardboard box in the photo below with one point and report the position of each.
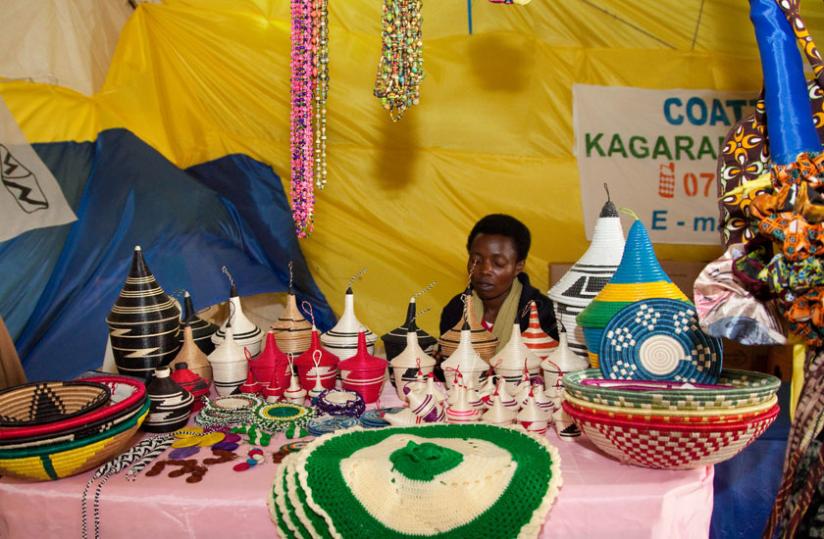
(775, 360)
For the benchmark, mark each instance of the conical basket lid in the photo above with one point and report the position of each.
(307, 359)
(639, 276)
(244, 330)
(342, 339)
(363, 360)
(482, 340)
(535, 338)
(562, 359)
(202, 330)
(465, 358)
(411, 355)
(142, 300)
(583, 281)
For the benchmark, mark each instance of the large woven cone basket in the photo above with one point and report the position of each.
(143, 323)
(589, 275)
(292, 331)
(639, 276)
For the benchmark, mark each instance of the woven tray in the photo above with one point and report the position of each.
(125, 393)
(40, 403)
(670, 447)
(749, 389)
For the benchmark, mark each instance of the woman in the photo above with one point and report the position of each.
(498, 246)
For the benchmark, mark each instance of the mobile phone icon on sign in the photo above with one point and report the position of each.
(666, 180)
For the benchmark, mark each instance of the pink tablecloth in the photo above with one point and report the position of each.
(599, 498)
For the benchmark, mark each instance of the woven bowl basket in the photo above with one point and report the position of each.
(76, 433)
(689, 417)
(667, 446)
(70, 458)
(125, 392)
(749, 389)
(40, 403)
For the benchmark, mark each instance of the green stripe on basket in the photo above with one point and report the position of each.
(47, 466)
(599, 313)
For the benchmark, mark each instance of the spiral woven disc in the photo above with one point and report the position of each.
(659, 339)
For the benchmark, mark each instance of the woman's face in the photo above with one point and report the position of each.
(493, 261)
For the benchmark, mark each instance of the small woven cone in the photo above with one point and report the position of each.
(473, 396)
(394, 341)
(503, 395)
(191, 354)
(250, 386)
(487, 389)
(425, 406)
(295, 393)
(246, 333)
(498, 414)
(202, 330)
(532, 418)
(466, 360)
(541, 399)
(342, 340)
(274, 391)
(639, 276)
(535, 338)
(564, 425)
(462, 411)
(271, 359)
(404, 367)
(229, 365)
(412, 385)
(483, 341)
(292, 331)
(560, 362)
(510, 362)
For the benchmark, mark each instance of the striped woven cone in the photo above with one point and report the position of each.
(535, 338)
(587, 277)
(394, 341)
(342, 340)
(482, 340)
(292, 331)
(639, 276)
(229, 365)
(143, 323)
(245, 332)
(202, 330)
(405, 366)
(465, 360)
(364, 373)
(510, 361)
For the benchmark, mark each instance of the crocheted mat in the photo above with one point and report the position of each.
(426, 481)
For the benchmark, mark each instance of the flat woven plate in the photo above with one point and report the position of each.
(659, 339)
(327, 424)
(46, 402)
(373, 419)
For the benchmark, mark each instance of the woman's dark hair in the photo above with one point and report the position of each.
(503, 225)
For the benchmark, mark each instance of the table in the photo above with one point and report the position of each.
(599, 498)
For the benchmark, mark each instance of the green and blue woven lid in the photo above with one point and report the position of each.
(438, 480)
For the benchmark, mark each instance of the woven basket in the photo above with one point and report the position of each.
(125, 393)
(76, 433)
(70, 458)
(749, 389)
(691, 417)
(40, 403)
(667, 446)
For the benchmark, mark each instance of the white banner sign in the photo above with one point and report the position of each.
(658, 151)
(30, 196)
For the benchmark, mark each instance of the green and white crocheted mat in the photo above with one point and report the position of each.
(437, 480)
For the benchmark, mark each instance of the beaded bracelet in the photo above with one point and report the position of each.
(281, 416)
(340, 402)
(226, 411)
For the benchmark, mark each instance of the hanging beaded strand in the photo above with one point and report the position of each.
(301, 139)
(320, 32)
(400, 69)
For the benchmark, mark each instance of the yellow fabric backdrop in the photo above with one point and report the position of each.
(198, 79)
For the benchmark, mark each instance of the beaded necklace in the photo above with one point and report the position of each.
(309, 88)
(400, 69)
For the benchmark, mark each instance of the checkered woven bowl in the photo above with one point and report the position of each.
(748, 389)
(39, 403)
(60, 460)
(125, 393)
(690, 417)
(667, 446)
